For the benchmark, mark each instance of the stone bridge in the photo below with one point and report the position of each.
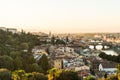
(109, 44)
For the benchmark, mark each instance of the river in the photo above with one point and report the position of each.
(109, 52)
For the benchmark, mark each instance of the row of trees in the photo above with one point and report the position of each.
(109, 57)
(16, 61)
(53, 74)
(5, 74)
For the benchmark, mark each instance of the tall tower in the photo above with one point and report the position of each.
(50, 35)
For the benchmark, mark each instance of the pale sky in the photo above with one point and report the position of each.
(61, 16)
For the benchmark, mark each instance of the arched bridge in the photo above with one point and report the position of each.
(95, 44)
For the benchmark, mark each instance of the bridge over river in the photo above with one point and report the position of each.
(100, 45)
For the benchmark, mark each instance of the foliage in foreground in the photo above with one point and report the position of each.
(5, 74)
(90, 78)
(53, 74)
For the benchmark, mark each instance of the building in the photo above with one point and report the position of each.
(107, 66)
(66, 49)
(82, 68)
(3, 28)
(13, 30)
(57, 63)
(38, 52)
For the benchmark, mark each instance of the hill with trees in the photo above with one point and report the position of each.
(17, 61)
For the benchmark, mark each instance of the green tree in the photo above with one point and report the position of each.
(112, 77)
(6, 62)
(48, 50)
(102, 55)
(67, 39)
(22, 75)
(58, 41)
(39, 76)
(118, 68)
(18, 75)
(43, 62)
(53, 74)
(28, 76)
(68, 75)
(18, 63)
(90, 78)
(53, 40)
(15, 54)
(24, 46)
(5, 74)
(35, 68)
(27, 61)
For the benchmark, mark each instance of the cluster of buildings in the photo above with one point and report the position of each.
(67, 59)
(112, 37)
(84, 60)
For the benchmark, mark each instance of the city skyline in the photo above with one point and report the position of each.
(61, 16)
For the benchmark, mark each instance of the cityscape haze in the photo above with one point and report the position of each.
(61, 16)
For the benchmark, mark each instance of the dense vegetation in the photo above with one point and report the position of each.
(15, 50)
(54, 74)
(109, 57)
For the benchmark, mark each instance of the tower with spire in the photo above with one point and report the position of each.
(50, 35)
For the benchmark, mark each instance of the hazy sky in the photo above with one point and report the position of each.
(59, 16)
